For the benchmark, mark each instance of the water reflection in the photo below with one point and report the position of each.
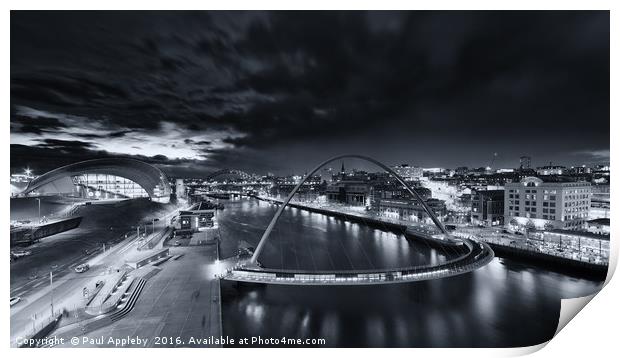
(503, 304)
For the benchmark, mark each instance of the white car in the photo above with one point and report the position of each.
(21, 253)
(15, 300)
(82, 268)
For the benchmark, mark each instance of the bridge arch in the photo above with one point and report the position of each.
(227, 171)
(278, 213)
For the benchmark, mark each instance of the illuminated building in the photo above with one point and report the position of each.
(411, 209)
(109, 178)
(535, 204)
(408, 172)
(487, 207)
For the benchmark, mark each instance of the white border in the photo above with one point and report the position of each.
(591, 334)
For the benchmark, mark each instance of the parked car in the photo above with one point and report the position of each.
(15, 300)
(82, 268)
(177, 243)
(21, 253)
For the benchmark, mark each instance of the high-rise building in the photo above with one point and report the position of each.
(525, 162)
(535, 204)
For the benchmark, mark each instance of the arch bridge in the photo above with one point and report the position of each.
(475, 254)
(218, 173)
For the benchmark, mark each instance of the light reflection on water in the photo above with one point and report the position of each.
(505, 303)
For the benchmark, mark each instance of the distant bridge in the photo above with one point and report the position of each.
(475, 254)
(237, 172)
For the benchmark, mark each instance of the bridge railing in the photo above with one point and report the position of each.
(451, 261)
(473, 260)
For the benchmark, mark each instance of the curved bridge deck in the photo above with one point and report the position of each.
(478, 255)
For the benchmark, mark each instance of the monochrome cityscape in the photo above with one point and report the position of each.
(299, 179)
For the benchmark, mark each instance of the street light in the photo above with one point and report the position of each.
(52, 292)
(39, 200)
(154, 219)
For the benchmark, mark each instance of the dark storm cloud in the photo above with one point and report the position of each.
(66, 145)
(256, 83)
(37, 126)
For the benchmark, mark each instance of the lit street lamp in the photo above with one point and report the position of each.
(155, 219)
(39, 200)
(52, 293)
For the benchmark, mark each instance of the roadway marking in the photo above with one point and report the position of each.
(22, 286)
(125, 249)
(37, 285)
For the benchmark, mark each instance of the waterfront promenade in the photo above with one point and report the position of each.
(584, 255)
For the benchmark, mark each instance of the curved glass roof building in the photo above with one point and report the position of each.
(109, 178)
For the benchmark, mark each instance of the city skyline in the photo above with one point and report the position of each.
(277, 92)
(345, 179)
(364, 167)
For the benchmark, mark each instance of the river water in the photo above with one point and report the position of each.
(504, 304)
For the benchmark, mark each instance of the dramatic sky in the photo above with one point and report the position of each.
(280, 91)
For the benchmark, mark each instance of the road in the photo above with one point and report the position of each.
(58, 254)
(585, 251)
(64, 253)
(67, 289)
(179, 303)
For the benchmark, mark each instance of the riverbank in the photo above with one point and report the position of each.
(429, 237)
(580, 267)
